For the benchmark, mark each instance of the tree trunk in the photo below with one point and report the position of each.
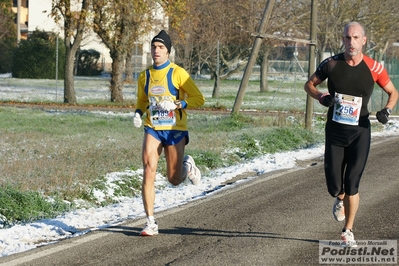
(264, 69)
(77, 56)
(129, 68)
(117, 78)
(72, 44)
(69, 88)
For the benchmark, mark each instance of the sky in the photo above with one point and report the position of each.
(23, 237)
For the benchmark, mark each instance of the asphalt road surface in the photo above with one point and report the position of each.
(274, 219)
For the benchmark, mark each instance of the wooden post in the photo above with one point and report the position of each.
(254, 54)
(312, 64)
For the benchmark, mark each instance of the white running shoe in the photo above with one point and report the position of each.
(193, 173)
(339, 210)
(348, 239)
(150, 229)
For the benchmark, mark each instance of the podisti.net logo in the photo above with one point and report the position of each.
(366, 252)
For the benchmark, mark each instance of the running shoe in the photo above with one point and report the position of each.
(150, 229)
(339, 210)
(193, 173)
(348, 239)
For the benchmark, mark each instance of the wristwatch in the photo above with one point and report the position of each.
(178, 104)
(388, 110)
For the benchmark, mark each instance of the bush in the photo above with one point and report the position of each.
(88, 63)
(7, 48)
(36, 57)
(17, 206)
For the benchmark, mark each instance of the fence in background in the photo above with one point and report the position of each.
(286, 79)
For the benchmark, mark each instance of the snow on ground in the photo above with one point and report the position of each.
(21, 238)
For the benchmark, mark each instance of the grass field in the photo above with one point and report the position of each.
(285, 94)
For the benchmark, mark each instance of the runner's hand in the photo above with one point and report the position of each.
(327, 100)
(167, 105)
(137, 120)
(382, 116)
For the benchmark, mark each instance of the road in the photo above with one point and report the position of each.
(274, 219)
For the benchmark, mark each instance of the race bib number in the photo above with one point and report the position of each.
(159, 116)
(347, 110)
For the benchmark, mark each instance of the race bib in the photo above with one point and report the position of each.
(159, 116)
(347, 110)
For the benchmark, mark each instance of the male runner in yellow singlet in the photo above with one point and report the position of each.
(165, 91)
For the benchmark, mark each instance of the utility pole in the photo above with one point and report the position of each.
(18, 21)
(253, 56)
(312, 64)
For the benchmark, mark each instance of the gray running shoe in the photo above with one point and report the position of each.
(193, 173)
(339, 210)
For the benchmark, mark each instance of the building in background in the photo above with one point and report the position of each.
(22, 15)
(35, 15)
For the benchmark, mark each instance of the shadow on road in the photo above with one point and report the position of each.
(134, 231)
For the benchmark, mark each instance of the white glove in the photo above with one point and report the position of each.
(137, 120)
(167, 105)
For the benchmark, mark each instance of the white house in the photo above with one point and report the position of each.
(38, 16)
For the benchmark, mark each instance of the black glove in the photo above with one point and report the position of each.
(327, 100)
(382, 116)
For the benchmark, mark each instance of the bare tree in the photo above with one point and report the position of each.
(292, 19)
(232, 25)
(380, 18)
(213, 26)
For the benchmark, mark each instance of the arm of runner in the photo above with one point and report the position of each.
(142, 98)
(194, 98)
(194, 95)
(392, 95)
(310, 87)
